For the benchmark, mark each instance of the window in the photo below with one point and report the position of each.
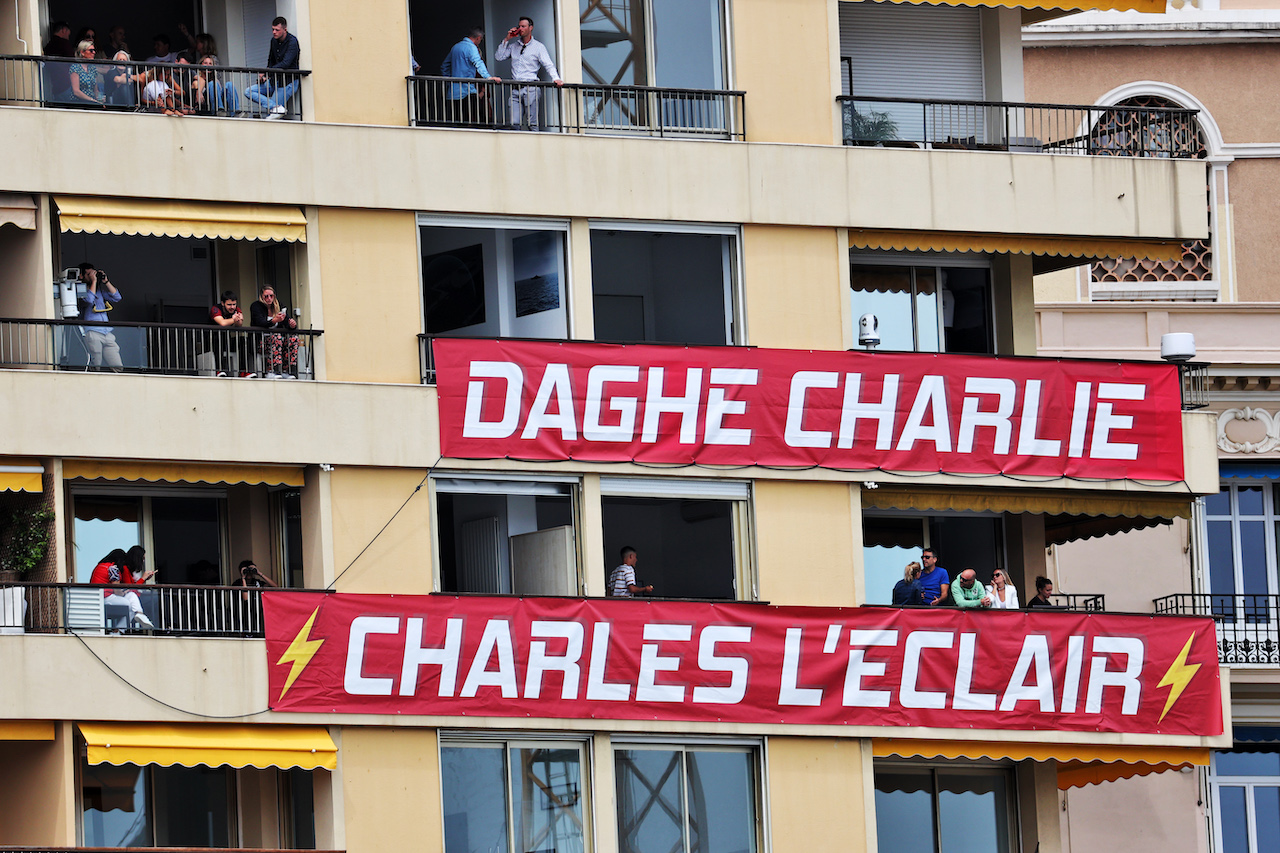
(506, 536)
(687, 799)
(953, 808)
(692, 538)
(926, 308)
(482, 280)
(663, 286)
(962, 541)
(1246, 800)
(152, 806)
(512, 796)
(287, 507)
(436, 27)
(1241, 525)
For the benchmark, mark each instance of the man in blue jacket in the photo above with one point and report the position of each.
(464, 60)
(273, 90)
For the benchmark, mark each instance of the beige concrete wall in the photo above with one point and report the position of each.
(369, 276)
(804, 541)
(26, 284)
(791, 281)
(359, 62)
(792, 102)
(391, 789)
(37, 791)
(1160, 813)
(363, 500)
(1130, 568)
(1255, 185)
(400, 168)
(816, 796)
(1231, 80)
(1014, 294)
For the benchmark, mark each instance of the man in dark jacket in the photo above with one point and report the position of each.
(275, 88)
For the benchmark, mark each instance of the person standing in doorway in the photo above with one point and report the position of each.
(622, 581)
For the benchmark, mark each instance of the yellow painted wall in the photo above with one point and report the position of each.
(369, 276)
(34, 791)
(783, 61)
(358, 67)
(363, 500)
(816, 795)
(791, 278)
(804, 540)
(391, 789)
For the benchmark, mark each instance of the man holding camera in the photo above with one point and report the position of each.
(251, 578)
(99, 339)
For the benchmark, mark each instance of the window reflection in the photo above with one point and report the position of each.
(926, 308)
(943, 810)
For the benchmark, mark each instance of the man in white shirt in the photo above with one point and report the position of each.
(527, 56)
(622, 581)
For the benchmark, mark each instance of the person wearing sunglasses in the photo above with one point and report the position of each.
(528, 56)
(84, 76)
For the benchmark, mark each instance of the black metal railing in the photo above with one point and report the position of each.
(1011, 126)
(214, 90)
(1194, 377)
(157, 348)
(427, 359)
(1248, 625)
(575, 108)
(169, 610)
(1092, 602)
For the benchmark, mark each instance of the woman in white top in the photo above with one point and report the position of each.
(1002, 594)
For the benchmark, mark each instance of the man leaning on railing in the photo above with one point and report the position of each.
(271, 92)
(525, 64)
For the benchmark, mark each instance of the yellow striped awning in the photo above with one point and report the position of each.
(1014, 244)
(163, 218)
(214, 745)
(1078, 764)
(183, 472)
(18, 209)
(1066, 5)
(20, 475)
(26, 730)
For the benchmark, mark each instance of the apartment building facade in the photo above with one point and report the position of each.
(454, 263)
(1211, 57)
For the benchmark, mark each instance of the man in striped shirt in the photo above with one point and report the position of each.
(527, 56)
(622, 582)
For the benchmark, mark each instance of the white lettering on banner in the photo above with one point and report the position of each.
(964, 698)
(855, 695)
(651, 663)
(883, 412)
(625, 429)
(795, 433)
(1071, 682)
(1028, 443)
(1100, 677)
(718, 406)
(917, 642)
(1035, 653)
(657, 404)
(1104, 421)
(542, 662)
(555, 382)
(1079, 419)
(933, 397)
(354, 681)
(472, 424)
(416, 655)
(709, 661)
(599, 690)
(497, 636)
(790, 692)
(972, 417)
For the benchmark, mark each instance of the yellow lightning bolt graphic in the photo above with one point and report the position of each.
(1178, 676)
(300, 653)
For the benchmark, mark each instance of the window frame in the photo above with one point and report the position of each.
(1008, 770)
(650, 47)
(508, 740)
(938, 261)
(1270, 518)
(1249, 783)
(756, 748)
(235, 825)
(732, 264)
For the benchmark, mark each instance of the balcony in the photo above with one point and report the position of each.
(173, 610)
(1019, 127)
(576, 108)
(231, 92)
(171, 349)
(1248, 625)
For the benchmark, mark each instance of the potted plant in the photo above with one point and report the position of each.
(24, 541)
(868, 128)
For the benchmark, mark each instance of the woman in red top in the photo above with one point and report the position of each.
(114, 569)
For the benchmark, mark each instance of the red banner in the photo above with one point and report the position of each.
(846, 410)
(739, 662)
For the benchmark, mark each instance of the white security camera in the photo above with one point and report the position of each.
(1178, 346)
(868, 331)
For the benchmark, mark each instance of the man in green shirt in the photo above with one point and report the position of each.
(967, 592)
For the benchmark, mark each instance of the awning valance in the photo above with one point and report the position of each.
(20, 475)
(18, 209)
(1066, 5)
(1250, 471)
(1078, 764)
(1083, 248)
(26, 730)
(182, 472)
(1069, 515)
(208, 219)
(214, 745)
